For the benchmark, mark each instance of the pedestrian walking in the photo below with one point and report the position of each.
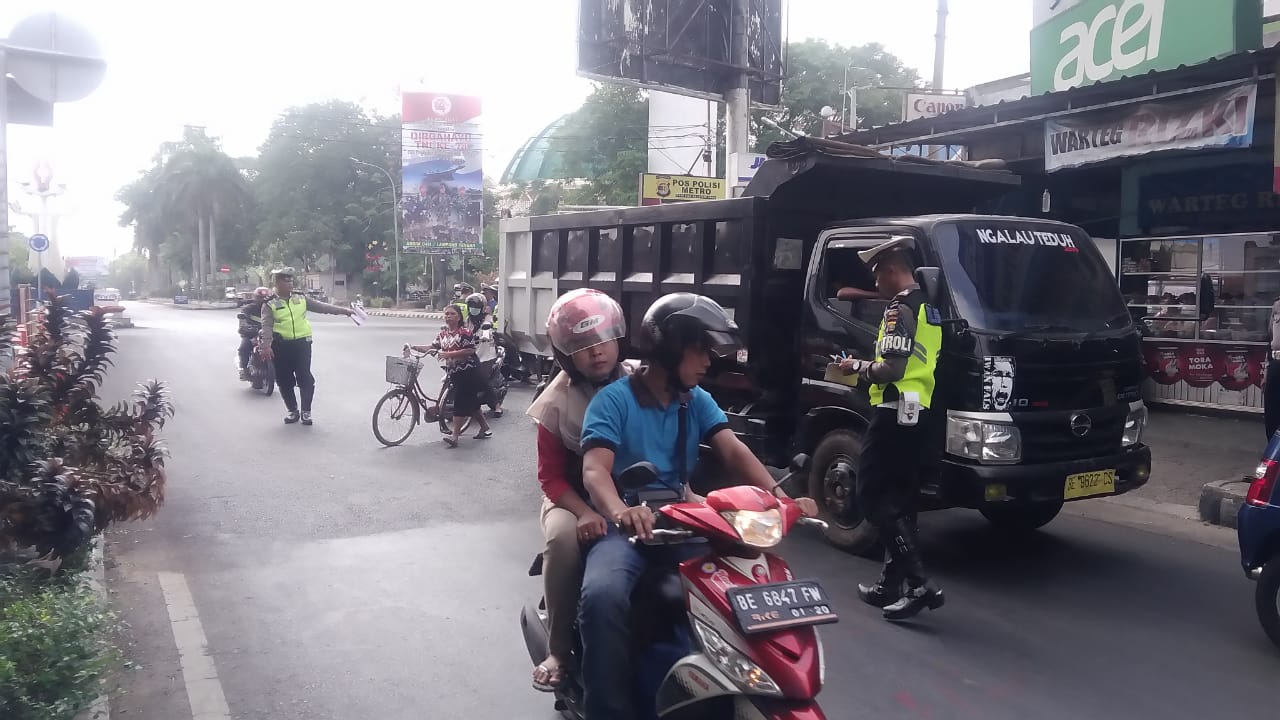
(1271, 380)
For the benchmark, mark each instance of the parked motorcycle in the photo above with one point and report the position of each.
(496, 387)
(756, 652)
(520, 366)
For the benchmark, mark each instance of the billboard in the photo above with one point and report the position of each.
(680, 46)
(442, 178)
(658, 189)
(90, 268)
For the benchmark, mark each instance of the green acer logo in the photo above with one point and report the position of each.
(1092, 41)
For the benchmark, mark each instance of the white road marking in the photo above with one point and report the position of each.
(204, 691)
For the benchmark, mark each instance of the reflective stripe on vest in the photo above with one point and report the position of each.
(921, 365)
(291, 321)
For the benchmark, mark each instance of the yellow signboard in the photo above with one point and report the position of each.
(658, 189)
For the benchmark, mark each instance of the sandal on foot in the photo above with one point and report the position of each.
(553, 677)
(484, 434)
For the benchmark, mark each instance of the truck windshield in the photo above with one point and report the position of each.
(1024, 277)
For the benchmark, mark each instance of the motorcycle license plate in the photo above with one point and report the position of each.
(776, 606)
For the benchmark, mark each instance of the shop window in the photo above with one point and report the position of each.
(1160, 256)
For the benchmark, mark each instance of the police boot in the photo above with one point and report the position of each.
(888, 589)
(921, 593)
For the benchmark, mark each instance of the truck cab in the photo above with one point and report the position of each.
(1039, 373)
(1040, 366)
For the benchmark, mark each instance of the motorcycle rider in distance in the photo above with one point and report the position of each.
(250, 317)
(585, 327)
(639, 418)
(486, 348)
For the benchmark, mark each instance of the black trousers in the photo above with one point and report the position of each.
(293, 369)
(1271, 397)
(895, 459)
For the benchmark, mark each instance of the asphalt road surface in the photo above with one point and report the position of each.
(311, 574)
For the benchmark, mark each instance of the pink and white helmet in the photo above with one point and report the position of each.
(584, 318)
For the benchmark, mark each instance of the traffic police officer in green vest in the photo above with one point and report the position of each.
(901, 440)
(286, 337)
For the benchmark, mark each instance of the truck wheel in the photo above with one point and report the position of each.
(1267, 598)
(1021, 518)
(832, 479)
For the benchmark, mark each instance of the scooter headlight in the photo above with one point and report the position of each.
(733, 663)
(757, 528)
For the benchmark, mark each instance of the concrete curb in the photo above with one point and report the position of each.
(99, 709)
(420, 314)
(189, 306)
(1221, 500)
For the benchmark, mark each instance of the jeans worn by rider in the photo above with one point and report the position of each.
(626, 418)
(250, 321)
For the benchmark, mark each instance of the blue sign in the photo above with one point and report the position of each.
(38, 242)
(179, 299)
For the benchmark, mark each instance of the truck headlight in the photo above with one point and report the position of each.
(761, 529)
(987, 442)
(1133, 426)
(737, 666)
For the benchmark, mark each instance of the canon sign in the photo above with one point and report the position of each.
(923, 105)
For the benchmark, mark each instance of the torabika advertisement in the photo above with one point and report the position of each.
(442, 175)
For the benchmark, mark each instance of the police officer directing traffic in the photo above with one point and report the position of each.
(899, 444)
(286, 336)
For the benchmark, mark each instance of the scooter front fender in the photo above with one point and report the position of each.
(696, 679)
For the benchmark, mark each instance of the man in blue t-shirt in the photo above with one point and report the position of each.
(638, 419)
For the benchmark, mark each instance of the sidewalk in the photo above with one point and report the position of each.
(1199, 461)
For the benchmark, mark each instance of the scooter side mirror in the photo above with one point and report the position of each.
(800, 463)
(638, 476)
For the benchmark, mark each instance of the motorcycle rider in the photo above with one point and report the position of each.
(491, 304)
(895, 451)
(250, 317)
(486, 350)
(286, 336)
(659, 415)
(588, 357)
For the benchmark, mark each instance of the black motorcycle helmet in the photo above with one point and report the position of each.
(475, 305)
(679, 321)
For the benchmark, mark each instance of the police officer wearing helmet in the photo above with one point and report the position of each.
(286, 336)
(658, 415)
(899, 444)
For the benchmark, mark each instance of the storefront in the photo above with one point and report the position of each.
(1173, 171)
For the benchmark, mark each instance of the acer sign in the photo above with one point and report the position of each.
(1080, 42)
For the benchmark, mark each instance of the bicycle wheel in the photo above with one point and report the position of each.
(269, 378)
(446, 414)
(401, 405)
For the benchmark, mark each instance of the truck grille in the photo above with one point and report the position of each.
(1048, 437)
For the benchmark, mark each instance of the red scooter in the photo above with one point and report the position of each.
(756, 654)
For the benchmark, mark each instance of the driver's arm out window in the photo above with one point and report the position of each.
(845, 269)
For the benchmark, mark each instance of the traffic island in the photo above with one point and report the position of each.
(1220, 501)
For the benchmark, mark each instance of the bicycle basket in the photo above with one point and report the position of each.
(402, 371)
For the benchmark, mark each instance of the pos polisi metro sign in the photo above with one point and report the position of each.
(1081, 42)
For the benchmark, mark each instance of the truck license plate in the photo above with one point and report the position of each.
(1082, 485)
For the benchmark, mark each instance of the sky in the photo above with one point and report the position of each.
(235, 65)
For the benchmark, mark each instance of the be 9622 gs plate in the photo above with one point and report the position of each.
(764, 608)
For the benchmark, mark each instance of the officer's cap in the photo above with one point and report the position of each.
(282, 272)
(894, 247)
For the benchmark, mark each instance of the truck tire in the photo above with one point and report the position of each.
(1021, 518)
(1267, 598)
(832, 478)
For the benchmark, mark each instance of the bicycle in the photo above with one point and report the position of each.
(408, 399)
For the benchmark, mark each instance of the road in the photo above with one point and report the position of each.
(331, 578)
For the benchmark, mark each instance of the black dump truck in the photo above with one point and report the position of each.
(1040, 368)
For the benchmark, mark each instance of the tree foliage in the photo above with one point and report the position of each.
(815, 78)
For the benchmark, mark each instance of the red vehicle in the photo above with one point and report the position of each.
(756, 653)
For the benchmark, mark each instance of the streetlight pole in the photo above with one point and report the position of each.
(395, 218)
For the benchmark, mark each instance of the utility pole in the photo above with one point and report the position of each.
(940, 45)
(737, 98)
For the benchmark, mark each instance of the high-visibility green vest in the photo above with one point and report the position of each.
(921, 365)
(291, 321)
